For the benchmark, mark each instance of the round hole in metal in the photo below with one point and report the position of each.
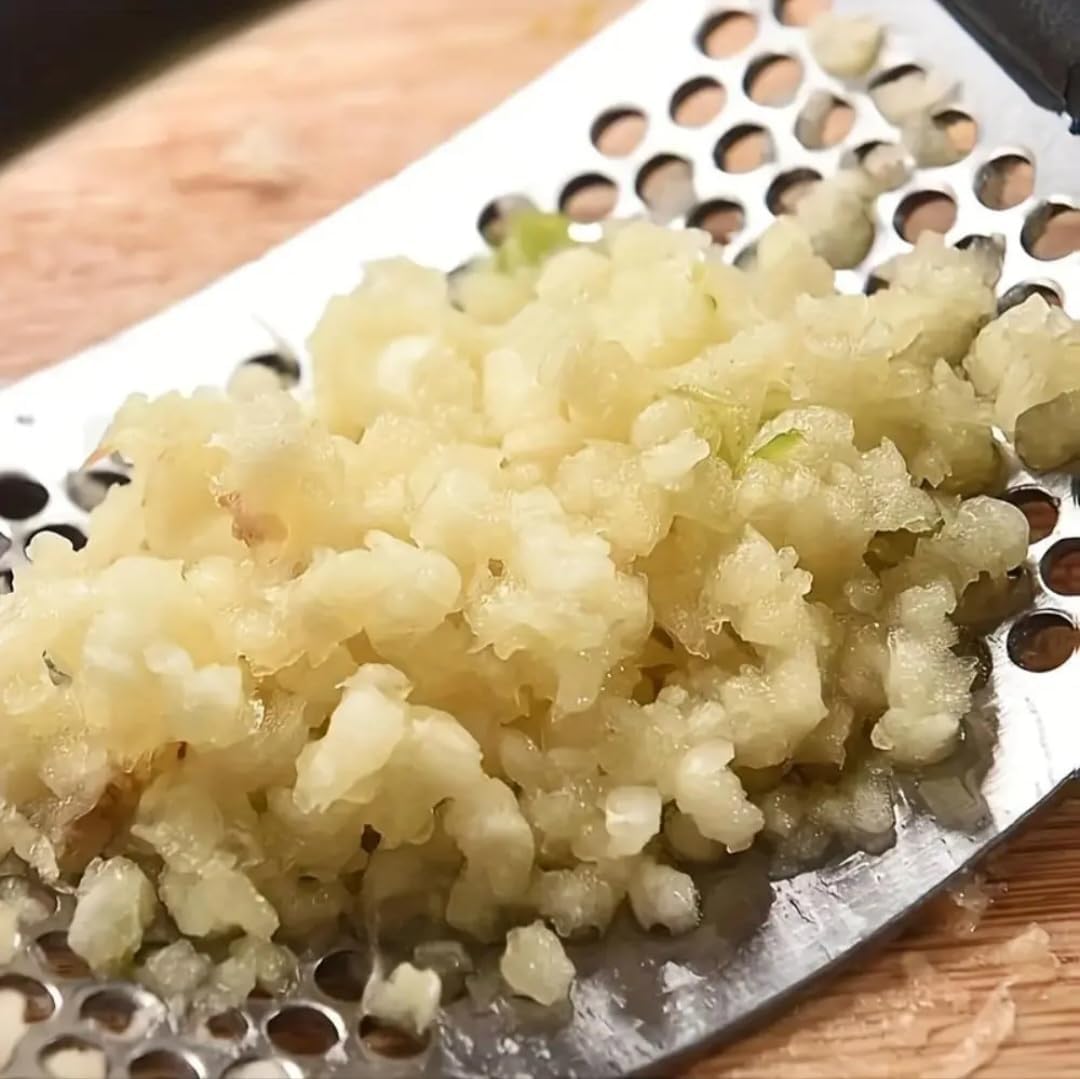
(888, 164)
(383, 1040)
(697, 101)
(1041, 641)
(747, 257)
(287, 368)
(1051, 231)
(960, 129)
(41, 1001)
(800, 12)
(895, 74)
(891, 90)
(588, 198)
(773, 79)
(72, 533)
(825, 120)
(1040, 509)
(665, 183)
(925, 211)
(991, 250)
(857, 154)
(342, 975)
(491, 224)
(1016, 295)
(455, 279)
(303, 1030)
(1060, 567)
(21, 497)
(58, 957)
(162, 1064)
(975, 240)
(88, 489)
(789, 188)
(619, 131)
(228, 1026)
(744, 148)
(80, 1057)
(1005, 181)
(110, 1009)
(722, 219)
(726, 33)
(874, 283)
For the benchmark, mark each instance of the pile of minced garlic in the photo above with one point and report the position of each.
(545, 596)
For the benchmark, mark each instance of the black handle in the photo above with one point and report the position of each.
(1036, 41)
(57, 56)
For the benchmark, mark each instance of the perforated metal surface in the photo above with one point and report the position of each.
(638, 999)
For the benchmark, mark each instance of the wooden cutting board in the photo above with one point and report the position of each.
(234, 150)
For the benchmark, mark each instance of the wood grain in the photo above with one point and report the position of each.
(222, 157)
(144, 201)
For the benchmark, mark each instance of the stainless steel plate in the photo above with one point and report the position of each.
(640, 1000)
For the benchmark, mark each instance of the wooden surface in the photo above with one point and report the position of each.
(235, 150)
(230, 152)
